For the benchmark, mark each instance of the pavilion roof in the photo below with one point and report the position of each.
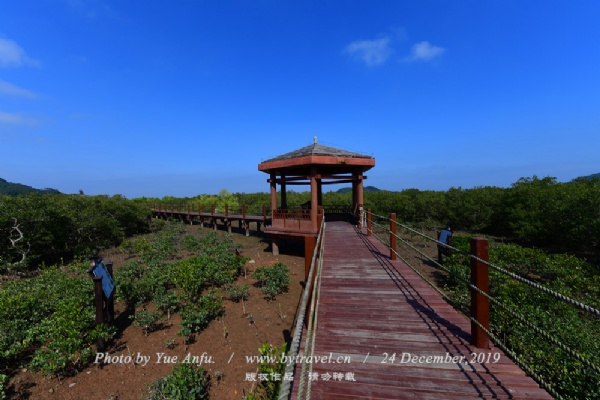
(328, 160)
(317, 149)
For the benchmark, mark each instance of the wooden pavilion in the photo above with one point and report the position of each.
(315, 165)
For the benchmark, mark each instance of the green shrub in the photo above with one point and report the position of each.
(3, 382)
(64, 226)
(146, 320)
(185, 382)
(138, 284)
(237, 293)
(196, 316)
(166, 301)
(576, 329)
(272, 280)
(189, 276)
(191, 243)
(268, 389)
(52, 317)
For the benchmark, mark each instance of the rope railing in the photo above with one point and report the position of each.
(312, 326)
(495, 301)
(517, 277)
(285, 389)
(519, 362)
(509, 310)
(496, 340)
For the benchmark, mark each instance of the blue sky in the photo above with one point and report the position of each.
(154, 98)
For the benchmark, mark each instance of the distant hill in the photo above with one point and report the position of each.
(592, 176)
(366, 189)
(15, 189)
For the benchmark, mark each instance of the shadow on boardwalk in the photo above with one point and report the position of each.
(402, 339)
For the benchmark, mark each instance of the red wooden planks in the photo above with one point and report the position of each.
(402, 340)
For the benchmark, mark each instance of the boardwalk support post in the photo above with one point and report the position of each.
(227, 220)
(246, 223)
(369, 226)
(393, 247)
(480, 305)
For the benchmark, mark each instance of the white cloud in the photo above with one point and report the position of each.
(14, 90)
(371, 52)
(16, 119)
(424, 51)
(13, 55)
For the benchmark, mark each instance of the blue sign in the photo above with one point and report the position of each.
(107, 283)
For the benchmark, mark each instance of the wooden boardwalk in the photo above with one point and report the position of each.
(372, 309)
(212, 218)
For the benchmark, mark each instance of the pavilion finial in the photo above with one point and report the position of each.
(315, 139)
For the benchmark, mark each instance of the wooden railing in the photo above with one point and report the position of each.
(294, 214)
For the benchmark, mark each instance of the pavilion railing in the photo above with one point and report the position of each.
(294, 214)
(339, 209)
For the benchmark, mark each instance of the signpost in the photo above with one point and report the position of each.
(104, 289)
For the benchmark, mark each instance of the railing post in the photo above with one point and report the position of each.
(320, 216)
(369, 226)
(480, 305)
(393, 248)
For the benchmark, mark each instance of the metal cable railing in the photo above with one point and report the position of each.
(285, 389)
(516, 315)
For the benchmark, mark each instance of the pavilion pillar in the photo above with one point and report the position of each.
(360, 200)
(319, 192)
(273, 192)
(314, 203)
(283, 193)
(354, 192)
(274, 241)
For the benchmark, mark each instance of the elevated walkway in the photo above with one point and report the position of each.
(383, 333)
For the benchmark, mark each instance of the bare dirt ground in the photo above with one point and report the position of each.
(221, 348)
